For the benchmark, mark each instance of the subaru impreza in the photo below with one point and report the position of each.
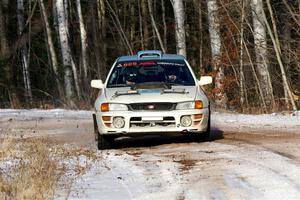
(150, 93)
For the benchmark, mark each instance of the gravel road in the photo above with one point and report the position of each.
(232, 165)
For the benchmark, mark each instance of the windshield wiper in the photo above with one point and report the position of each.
(150, 85)
(118, 85)
(173, 84)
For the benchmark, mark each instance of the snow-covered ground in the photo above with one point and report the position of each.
(33, 114)
(196, 171)
(278, 122)
(249, 157)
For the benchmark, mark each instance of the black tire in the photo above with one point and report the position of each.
(104, 142)
(205, 136)
(95, 127)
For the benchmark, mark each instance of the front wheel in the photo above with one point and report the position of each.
(206, 135)
(95, 127)
(104, 142)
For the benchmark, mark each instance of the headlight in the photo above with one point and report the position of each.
(105, 107)
(185, 105)
(198, 104)
(116, 106)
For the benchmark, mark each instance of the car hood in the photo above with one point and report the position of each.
(176, 94)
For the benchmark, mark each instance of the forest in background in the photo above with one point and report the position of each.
(51, 49)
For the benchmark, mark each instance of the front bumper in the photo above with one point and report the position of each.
(162, 122)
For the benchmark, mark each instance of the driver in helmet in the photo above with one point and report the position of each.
(130, 77)
(172, 74)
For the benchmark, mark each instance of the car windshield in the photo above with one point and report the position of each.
(170, 72)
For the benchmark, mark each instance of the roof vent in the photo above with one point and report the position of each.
(149, 53)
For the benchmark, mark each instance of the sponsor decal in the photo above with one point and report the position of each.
(171, 63)
(147, 63)
(129, 64)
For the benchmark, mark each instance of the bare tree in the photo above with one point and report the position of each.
(154, 26)
(83, 37)
(141, 26)
(119, 27)
(215, 45)
(163, 9)
(145, 24)
(68, 61)
(24, 51)
(275, 40)
(102, 26)
(179, 15)
(198, 7)
(52, 52)
(261, 52)
(243, 93)
(4, 48)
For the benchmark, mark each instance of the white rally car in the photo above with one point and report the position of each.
(150, 93)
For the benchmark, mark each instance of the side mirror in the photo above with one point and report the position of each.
(97, 84)
(205, 80)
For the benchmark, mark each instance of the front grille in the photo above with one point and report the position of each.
(152, 106)
(166, 122)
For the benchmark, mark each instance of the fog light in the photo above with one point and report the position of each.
(186, 121)
(118, 122)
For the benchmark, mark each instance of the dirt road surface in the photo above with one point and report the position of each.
(243, 164)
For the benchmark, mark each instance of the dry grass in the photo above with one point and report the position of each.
(33, 168)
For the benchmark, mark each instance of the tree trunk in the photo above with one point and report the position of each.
(145, 24)
(286, 43)
(94, 40)
(133, 20)
(68, 62)
(24, 51)
(141, 26)
(243, 95)
(198, 7)
(51, 48)
(260, 41)
(102, 38)
(83, 38)
(155, 27)
(165, 33)
(4, 48)
(179, 15)
(215, 41)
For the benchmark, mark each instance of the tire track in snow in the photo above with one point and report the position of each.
(232, 175)
(275, 176)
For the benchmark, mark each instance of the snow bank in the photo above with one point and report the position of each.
(275, 122)
(24, 114)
